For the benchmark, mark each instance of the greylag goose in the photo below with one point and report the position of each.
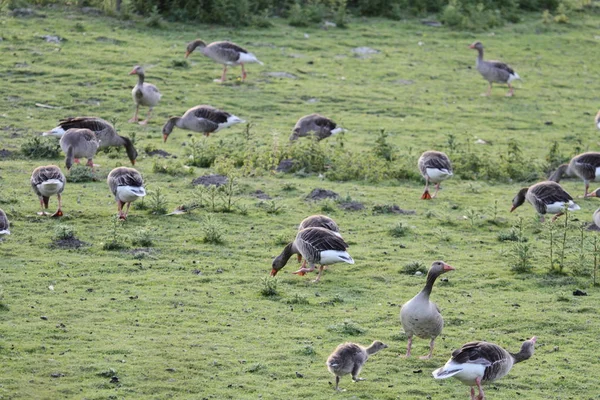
(127, 185)
(349, 358)
(494, 71)
(435, 167)
(225, 53)
(48, 181)
(476, 363)
(204, 119)
(319, 221)
(545, 197)
(105, 133)
(322, 127)
(420, 316)
(317, 246)
(144, 94)
(4, 224)
(585, 165)
(79, 143)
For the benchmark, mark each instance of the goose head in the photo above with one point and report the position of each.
(137, 70)
(519, 199)
(476, 46)
(439, 267)
(595, 193)
(192, 46)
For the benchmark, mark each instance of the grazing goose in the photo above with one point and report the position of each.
(79, 143)
(322, 127)
(435, 167)
(421, 317)
(144, 94)
(4, 224)
(545, 197)
(494, 71)
(203, 119)
(317, 246)
(127, 185)
(585, 165)
(105, 133)
(47, 181)
(476, 363)
(349, 358)
(225, 53)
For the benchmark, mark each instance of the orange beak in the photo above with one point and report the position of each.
(274, 272)
(165, 137)
(187, 53)
(512, 208)
(471, 46)
(132, 72)
(132, 162)
(593, 194)
(448, 267)
(533, 339)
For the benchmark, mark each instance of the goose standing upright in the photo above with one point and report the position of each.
(144, 94)
(435, 167)
(225, 53)
(349, 358)
(545, 197)
(204, 119)
(4, 224)
(420, 316)
(127, 185)
(494, 71)
(79, 143)
(476, 363)
(317, 246)
(586, 166)
(105, 133)
(322, 127)
(48, 181)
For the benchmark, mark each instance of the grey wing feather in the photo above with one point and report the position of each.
(92, 123)
(502, 66)
(551, 192)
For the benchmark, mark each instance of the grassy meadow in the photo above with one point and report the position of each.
(172, 314)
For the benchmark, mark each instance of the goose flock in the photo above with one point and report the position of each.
(318, 242)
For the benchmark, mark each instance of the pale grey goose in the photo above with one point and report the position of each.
(421, 317)
(316, 124)
(494, 71)
(546, 197)
(476, 363)
(204, 119)
(586, 166)
(48, 181)
(349, 358)
(79, 143)
(225, 53)
(127, 185)
(435, 167)
(144, 94)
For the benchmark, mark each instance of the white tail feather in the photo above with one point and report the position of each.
(5, 232)
(58, 132)
(130, 193)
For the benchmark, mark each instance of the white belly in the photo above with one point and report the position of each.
(437, 175)
(558, 206)
(333, 256)
(469, 373)
(128, 194)
(50, 187)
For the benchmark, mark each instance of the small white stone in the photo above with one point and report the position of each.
(51, 287)
(418, 273)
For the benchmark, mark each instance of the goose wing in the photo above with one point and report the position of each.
(502, 66)
(228, 51)
(550, 192)
(587, 164)
(324, 122)
(94, 124)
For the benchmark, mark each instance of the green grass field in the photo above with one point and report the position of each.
(173, 316)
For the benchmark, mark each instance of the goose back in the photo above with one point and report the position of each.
(319, 221)
(47, 180)
(435, 166)
(549, 197)
(321, 127)
(318, 245)
(123, 176)
(348, 358)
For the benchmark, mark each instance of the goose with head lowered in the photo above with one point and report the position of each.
(420, 316)
(318, 221)
(226, 53)
(48, 181)
(586, 166)
(494, 71)
(4, 224)
(547, 198)
(79, 143)
(435, 167)
(127, 185)
(204, 119)
(144, 94)
(316, 124)
(349, 358)
(317, 246)
(476, 363)
(105, 133)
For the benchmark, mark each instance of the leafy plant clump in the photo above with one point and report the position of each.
(80, 173)
(63, 232)
(347, 327)
(142, 238)
(412, 267)
(213, 230)
(115, 239)
(399, 230)
(41, 147)
(269, 286)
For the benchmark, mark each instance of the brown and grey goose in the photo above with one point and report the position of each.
(48, 181)
(494, 71)
(546, 197)
(319, 221)
(420, 316)
(321, 127)
(4, 224)
(204, 119)
(476, 363)
(225, 53)
(105, 133)
(144, 94)
(127, 185)
(316, 246)
(586, 166)
(349, 358)
(435, 167)
(79, 143)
